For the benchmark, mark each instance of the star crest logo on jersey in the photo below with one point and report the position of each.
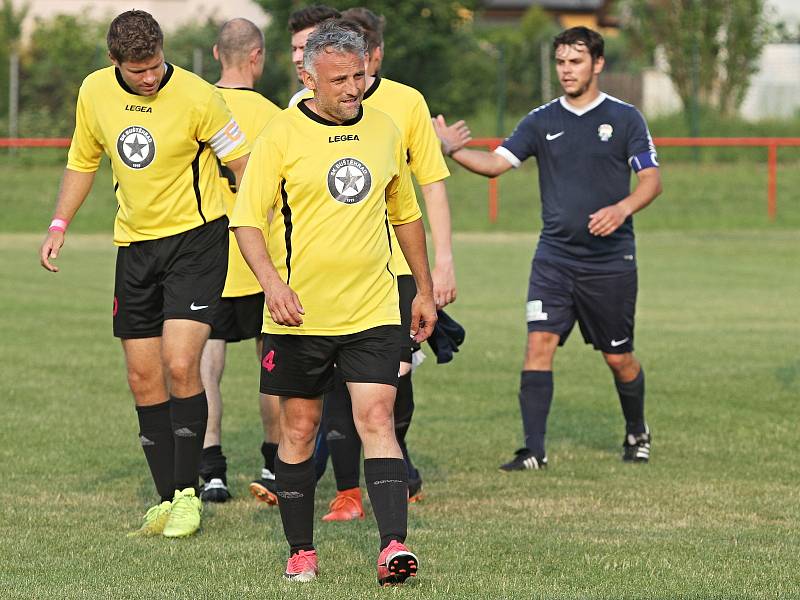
(605, 131)
(349, 181)
(136, 147)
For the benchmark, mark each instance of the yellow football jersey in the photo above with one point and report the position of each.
(409, 111)
(252, 112)
(162, 150)
(335, 190)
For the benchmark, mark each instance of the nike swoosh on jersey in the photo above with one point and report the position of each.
(615, 343)
(194, 307)
(551, 136)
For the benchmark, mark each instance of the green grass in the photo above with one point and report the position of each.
(696, 196)
(715, 515)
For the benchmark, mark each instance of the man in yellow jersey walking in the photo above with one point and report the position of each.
(409, 111)
(336, 174)
(163, 129)
(240, 50)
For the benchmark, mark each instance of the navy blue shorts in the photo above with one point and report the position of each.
(301, 366)
(602, 302)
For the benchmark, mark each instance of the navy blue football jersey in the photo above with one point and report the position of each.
(585, 157)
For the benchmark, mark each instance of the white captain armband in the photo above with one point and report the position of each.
(643, 160)
(227, 139)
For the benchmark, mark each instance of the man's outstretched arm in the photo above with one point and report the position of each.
(454, 139)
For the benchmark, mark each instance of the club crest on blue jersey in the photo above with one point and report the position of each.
(605, 131)
(136, 147)
(349, 181)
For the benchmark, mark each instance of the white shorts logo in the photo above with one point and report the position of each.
(533, 311)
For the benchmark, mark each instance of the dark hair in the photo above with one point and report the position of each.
(581, 36)
(371, 23)
(134, 36)
(311, 17)
(237, 38)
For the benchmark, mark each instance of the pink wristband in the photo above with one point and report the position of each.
(58, 225)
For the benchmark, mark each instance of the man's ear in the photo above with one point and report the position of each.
(598, 65)
(215, 52)
(308, 80)
(113, 62)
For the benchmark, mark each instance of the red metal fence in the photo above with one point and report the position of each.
(770, 143)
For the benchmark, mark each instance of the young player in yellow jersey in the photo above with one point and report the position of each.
(335, 174)
(163, 129)
(240, 50)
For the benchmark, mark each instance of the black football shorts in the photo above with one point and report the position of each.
(238, 318)
(407, 291)
(177, 277)
(602, 302)
(301, 366)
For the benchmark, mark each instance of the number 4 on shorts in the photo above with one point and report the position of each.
(269, 361)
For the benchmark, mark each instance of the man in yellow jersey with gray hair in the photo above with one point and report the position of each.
(163, 129)
(335, 174)
(409, 111)
(240, 51)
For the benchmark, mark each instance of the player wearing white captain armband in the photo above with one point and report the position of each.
(163, 129)
(584, 269)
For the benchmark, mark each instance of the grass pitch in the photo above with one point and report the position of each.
(715, 514)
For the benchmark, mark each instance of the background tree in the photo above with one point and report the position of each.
(10, 33)
(429, 45)
(712, 46)
(62, 51)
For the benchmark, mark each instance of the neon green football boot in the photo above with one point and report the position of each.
(154, 520)
(184, 518)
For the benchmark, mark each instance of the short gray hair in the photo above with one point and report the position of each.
(333, 36)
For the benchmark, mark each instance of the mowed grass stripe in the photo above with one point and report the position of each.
(715, 515)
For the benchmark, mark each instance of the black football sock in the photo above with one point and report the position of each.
(344, 443)
(535, 397)
(269, 451)
(213, 464)
(387, 485)
(189, 418)
(155, 435)
(403, 412)
(295, 486)
(631, 397)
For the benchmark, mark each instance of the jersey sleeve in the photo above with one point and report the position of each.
(260, 187)
(85, 150)
(521, 144)
(641, 149)
(424, 149)
(401, 200)
(220, 130)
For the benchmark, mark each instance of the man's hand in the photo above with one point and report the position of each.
(453, 137)
(605, 221)
(444, 283)
(283, 304)
(50, 248)
(423, 317)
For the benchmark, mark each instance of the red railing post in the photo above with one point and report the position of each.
(493, 200)
(772, 181)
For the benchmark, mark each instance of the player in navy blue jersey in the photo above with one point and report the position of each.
(584, 268)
